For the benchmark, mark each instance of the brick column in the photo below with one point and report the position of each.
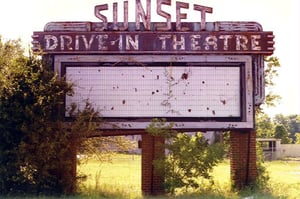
(152, 181)
(68, 172)
(243, 158)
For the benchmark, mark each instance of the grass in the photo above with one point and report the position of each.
(119, 175)
(285, 178)
(121, 178)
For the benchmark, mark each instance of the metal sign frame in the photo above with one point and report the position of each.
(244, 121)
(225, 42)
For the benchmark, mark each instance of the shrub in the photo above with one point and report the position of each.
(189, 157)
(36, 151)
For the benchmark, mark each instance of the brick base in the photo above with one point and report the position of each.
(243, 158)
(152, 181)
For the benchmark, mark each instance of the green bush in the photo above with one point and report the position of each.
(262, 180)
(189, 158)
(33, 139)
(36, 151)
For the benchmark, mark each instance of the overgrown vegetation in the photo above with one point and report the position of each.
(263, 177)
(189, 158)
(37, 146)
(36, 155)
(120, 178)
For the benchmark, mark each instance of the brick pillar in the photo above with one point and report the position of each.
(69, 172)
(152, 181)
(73, 169)
(243, 158)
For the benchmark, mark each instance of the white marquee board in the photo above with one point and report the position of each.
(160, 91)
(192, 91)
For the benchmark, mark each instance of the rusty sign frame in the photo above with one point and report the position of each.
(246, 120)
(158, 42)
(73, 28)
(224, 41)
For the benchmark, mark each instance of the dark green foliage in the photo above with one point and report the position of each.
(264, 126)
(35, 143)
(262, 180)
(283, 134)
(297, 135)
(291, 124)
(189, 158)
(281, 127)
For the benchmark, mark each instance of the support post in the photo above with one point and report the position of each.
(69, 173)
(243, 158)
(152, 181)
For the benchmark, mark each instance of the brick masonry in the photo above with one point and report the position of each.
(243, 158)
(152, 181)
(242, 161)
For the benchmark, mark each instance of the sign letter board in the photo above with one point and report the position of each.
(194, 92)
(199, 77)
(158, 42)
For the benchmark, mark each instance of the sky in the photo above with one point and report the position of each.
(19, 18)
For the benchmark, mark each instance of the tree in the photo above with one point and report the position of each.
(283, 134)
(11, 53)
(271, 71)
(281, 119)
(290, 122)
(297, 135)
(30, 98)
(12, 61)
(36, 143)
(294, 126)
(264, 126)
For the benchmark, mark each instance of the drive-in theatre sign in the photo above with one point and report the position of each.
(199, 75)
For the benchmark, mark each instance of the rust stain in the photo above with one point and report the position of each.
(184, 76)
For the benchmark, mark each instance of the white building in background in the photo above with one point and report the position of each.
(273, 149)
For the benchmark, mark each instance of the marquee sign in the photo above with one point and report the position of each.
(199, 75)
(194, 92)
(158, 42)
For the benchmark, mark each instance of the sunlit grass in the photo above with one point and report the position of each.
(120, 175)
(121, 178)
(284, 178)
